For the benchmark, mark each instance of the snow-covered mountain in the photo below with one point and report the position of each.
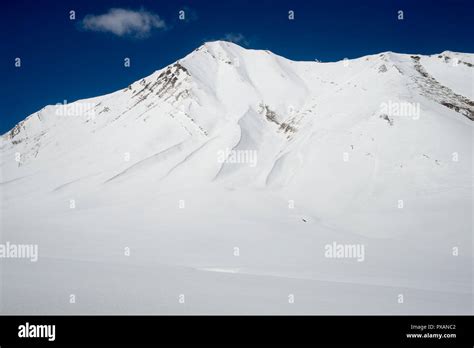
(226, 175)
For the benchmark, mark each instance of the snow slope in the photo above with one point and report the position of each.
(228, 172)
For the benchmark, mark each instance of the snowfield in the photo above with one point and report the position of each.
(225, 182)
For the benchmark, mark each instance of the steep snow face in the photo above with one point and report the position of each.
(232, 147)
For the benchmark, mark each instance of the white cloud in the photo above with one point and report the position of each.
(124, 22)
(237, 38)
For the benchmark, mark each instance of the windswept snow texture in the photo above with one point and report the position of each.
(227, 175)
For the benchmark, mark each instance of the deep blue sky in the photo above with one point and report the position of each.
(62, 61)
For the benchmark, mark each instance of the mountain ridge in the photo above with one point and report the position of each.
(467, 58)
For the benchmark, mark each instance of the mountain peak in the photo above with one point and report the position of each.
(221, 43)
(220, 48)
(218, 45)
